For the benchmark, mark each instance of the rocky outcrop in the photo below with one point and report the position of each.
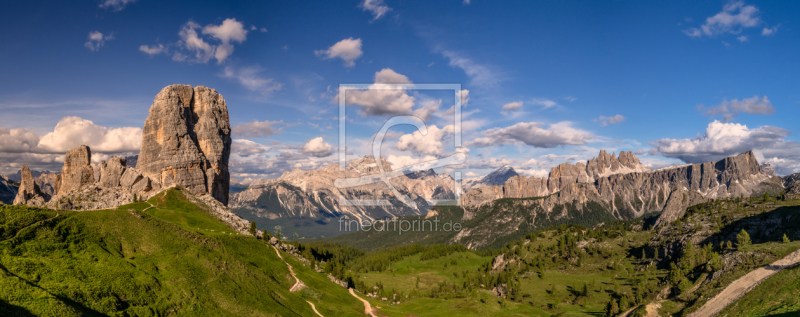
(111, 172)
(77, 171)
(792, 183)
(186, 141)
(29, 193)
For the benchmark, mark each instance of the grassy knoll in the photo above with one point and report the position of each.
(125, 262)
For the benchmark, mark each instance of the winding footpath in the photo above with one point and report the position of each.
(297, 284)
(367, 306)
(744, 284)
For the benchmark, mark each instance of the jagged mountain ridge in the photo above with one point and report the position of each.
(312, 193)
(622, 192)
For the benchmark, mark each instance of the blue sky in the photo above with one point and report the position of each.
(547, 81)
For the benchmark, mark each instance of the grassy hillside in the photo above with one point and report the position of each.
(174, 259)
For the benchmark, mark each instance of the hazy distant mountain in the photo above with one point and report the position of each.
(310, 197)
(17, 177)
(498, 177)
(7, 190)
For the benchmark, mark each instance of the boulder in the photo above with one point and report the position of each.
(186, 141)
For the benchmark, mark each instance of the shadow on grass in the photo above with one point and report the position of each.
(7, 309)
(765, 227)
(85, 311)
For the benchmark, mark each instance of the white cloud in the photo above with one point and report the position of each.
(97, 40)
(464, 94)
(570, 98)
(256, 129)
(467, 2)
(734, 17)
(194, 48)
(191, 41)
(769, 31)
(398, 162)
(229, 31)
(428, 109)
(349, 50)
(742, 38)
(532, 134)
(249, 78)
(604, 121)
(383, 98)
(247, 148)
(389, 76)
(18, 140)
(317, 147)
(479, 74)
(731, 109)
(430, 144)
(376, 7)
(513, 106)
(725, 139)
(71, 132)
(153, 50)
(115, 5)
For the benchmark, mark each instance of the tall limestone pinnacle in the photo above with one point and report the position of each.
(187, 141)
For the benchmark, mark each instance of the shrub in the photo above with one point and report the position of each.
(742, 239)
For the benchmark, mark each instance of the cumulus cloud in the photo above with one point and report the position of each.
(384, 97)
(389, 76)
(18, 140)
(734, 17)
(71, 132)
(464, 94)
(249, 78)
(742, 38)
(430, 144)
(729, 110)
(317, 147)
(256, 129)
(604, 121)
(97, 40)
(725, 139)
(115, 5)
(348, 50)
(513, 106)
(193, 47)
(247, 148)
(533, 134)
(376, 7)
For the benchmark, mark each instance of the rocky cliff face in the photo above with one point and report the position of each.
(29, 193)
(313, 194)
(186, 141)
(792, 183)
(629, 190)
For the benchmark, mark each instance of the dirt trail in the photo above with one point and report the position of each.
(298, 285)
(314, 308)
(367, 306)
(744, 284)
(652, 310)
